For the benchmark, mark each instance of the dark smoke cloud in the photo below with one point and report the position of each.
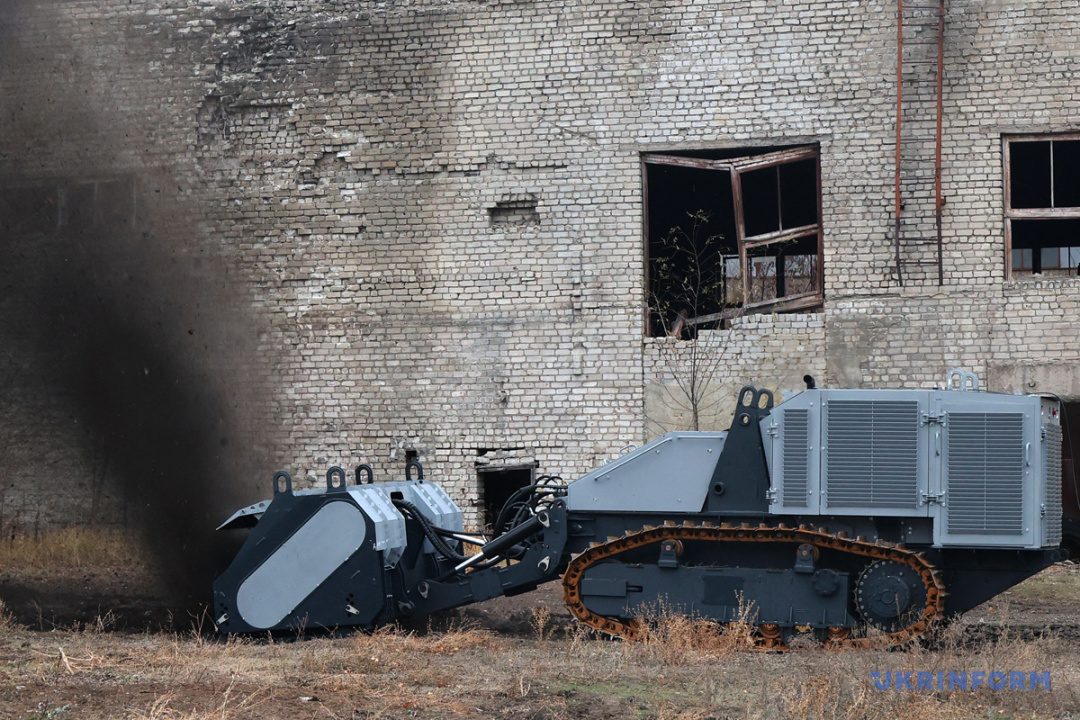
(136, 323)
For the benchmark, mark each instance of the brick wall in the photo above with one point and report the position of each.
(433, 210)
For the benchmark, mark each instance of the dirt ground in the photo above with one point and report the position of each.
(107, 643)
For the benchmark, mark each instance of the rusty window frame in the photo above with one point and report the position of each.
(737, 167)
(1049, 213)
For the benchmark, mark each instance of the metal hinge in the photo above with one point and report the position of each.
(931, 498)
(773, 429)
(770, 495)
(931, 418)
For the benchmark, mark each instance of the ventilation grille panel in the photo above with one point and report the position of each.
(796, 448)
(1052, 497)
(985, 473)
(873, 453)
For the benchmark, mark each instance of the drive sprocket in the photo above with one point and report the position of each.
(887, 595)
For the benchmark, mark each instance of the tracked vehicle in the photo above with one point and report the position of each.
(856, 517)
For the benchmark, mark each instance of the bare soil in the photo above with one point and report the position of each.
(109, 643)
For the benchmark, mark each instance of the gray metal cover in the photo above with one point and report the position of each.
(301, 564)
(979, 464)
(670, 474)
(430, 499)
(1051, 503)
(985, 473)
(848, 452)
(989, 480)
(389, 523)
(872, 453)
(791, 433)
(795, 456)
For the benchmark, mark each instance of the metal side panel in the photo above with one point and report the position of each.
(795, 464)
(300, 564)
(389, 523)
(874, 452)
(670, 474)
(431, 499)
(1051, 505)
(991, 473)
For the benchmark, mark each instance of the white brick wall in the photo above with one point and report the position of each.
(344, 157)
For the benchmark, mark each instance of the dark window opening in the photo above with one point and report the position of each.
(497, 485)
(731, 232)
(1030, 173)
(1042, 205)
(69, 206)
(1046, 246)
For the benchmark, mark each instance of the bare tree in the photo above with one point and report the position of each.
(689, 296)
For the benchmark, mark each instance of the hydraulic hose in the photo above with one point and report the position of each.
(430, 532)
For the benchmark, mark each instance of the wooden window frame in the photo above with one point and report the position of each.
(1049, 213)
(737, 167)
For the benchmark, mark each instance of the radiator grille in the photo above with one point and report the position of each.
(873, 453)
(795, 491)
(985, 473)
(1052, 497)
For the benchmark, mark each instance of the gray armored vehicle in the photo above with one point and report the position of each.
(858, 517)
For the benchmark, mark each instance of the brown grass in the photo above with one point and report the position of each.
(73, 548)
(674, 638)
(684, 670)
(7, 620)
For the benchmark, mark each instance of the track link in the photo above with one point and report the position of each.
(766, 637)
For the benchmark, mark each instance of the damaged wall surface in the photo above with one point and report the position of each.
(428, 217)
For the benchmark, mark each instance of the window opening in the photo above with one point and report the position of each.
(1042, 205)
(731, 232)
(68, 205)
(496, 485)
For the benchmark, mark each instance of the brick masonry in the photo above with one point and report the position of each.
(360, 170)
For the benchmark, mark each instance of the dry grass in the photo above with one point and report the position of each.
(7, 620)
(839, 685)
(229, 705)
(73, 548)
(684, 670)
(674, 638)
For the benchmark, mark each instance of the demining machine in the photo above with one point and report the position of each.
(855, 518)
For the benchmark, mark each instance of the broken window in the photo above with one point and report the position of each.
(1042, 205)
(730, 233)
